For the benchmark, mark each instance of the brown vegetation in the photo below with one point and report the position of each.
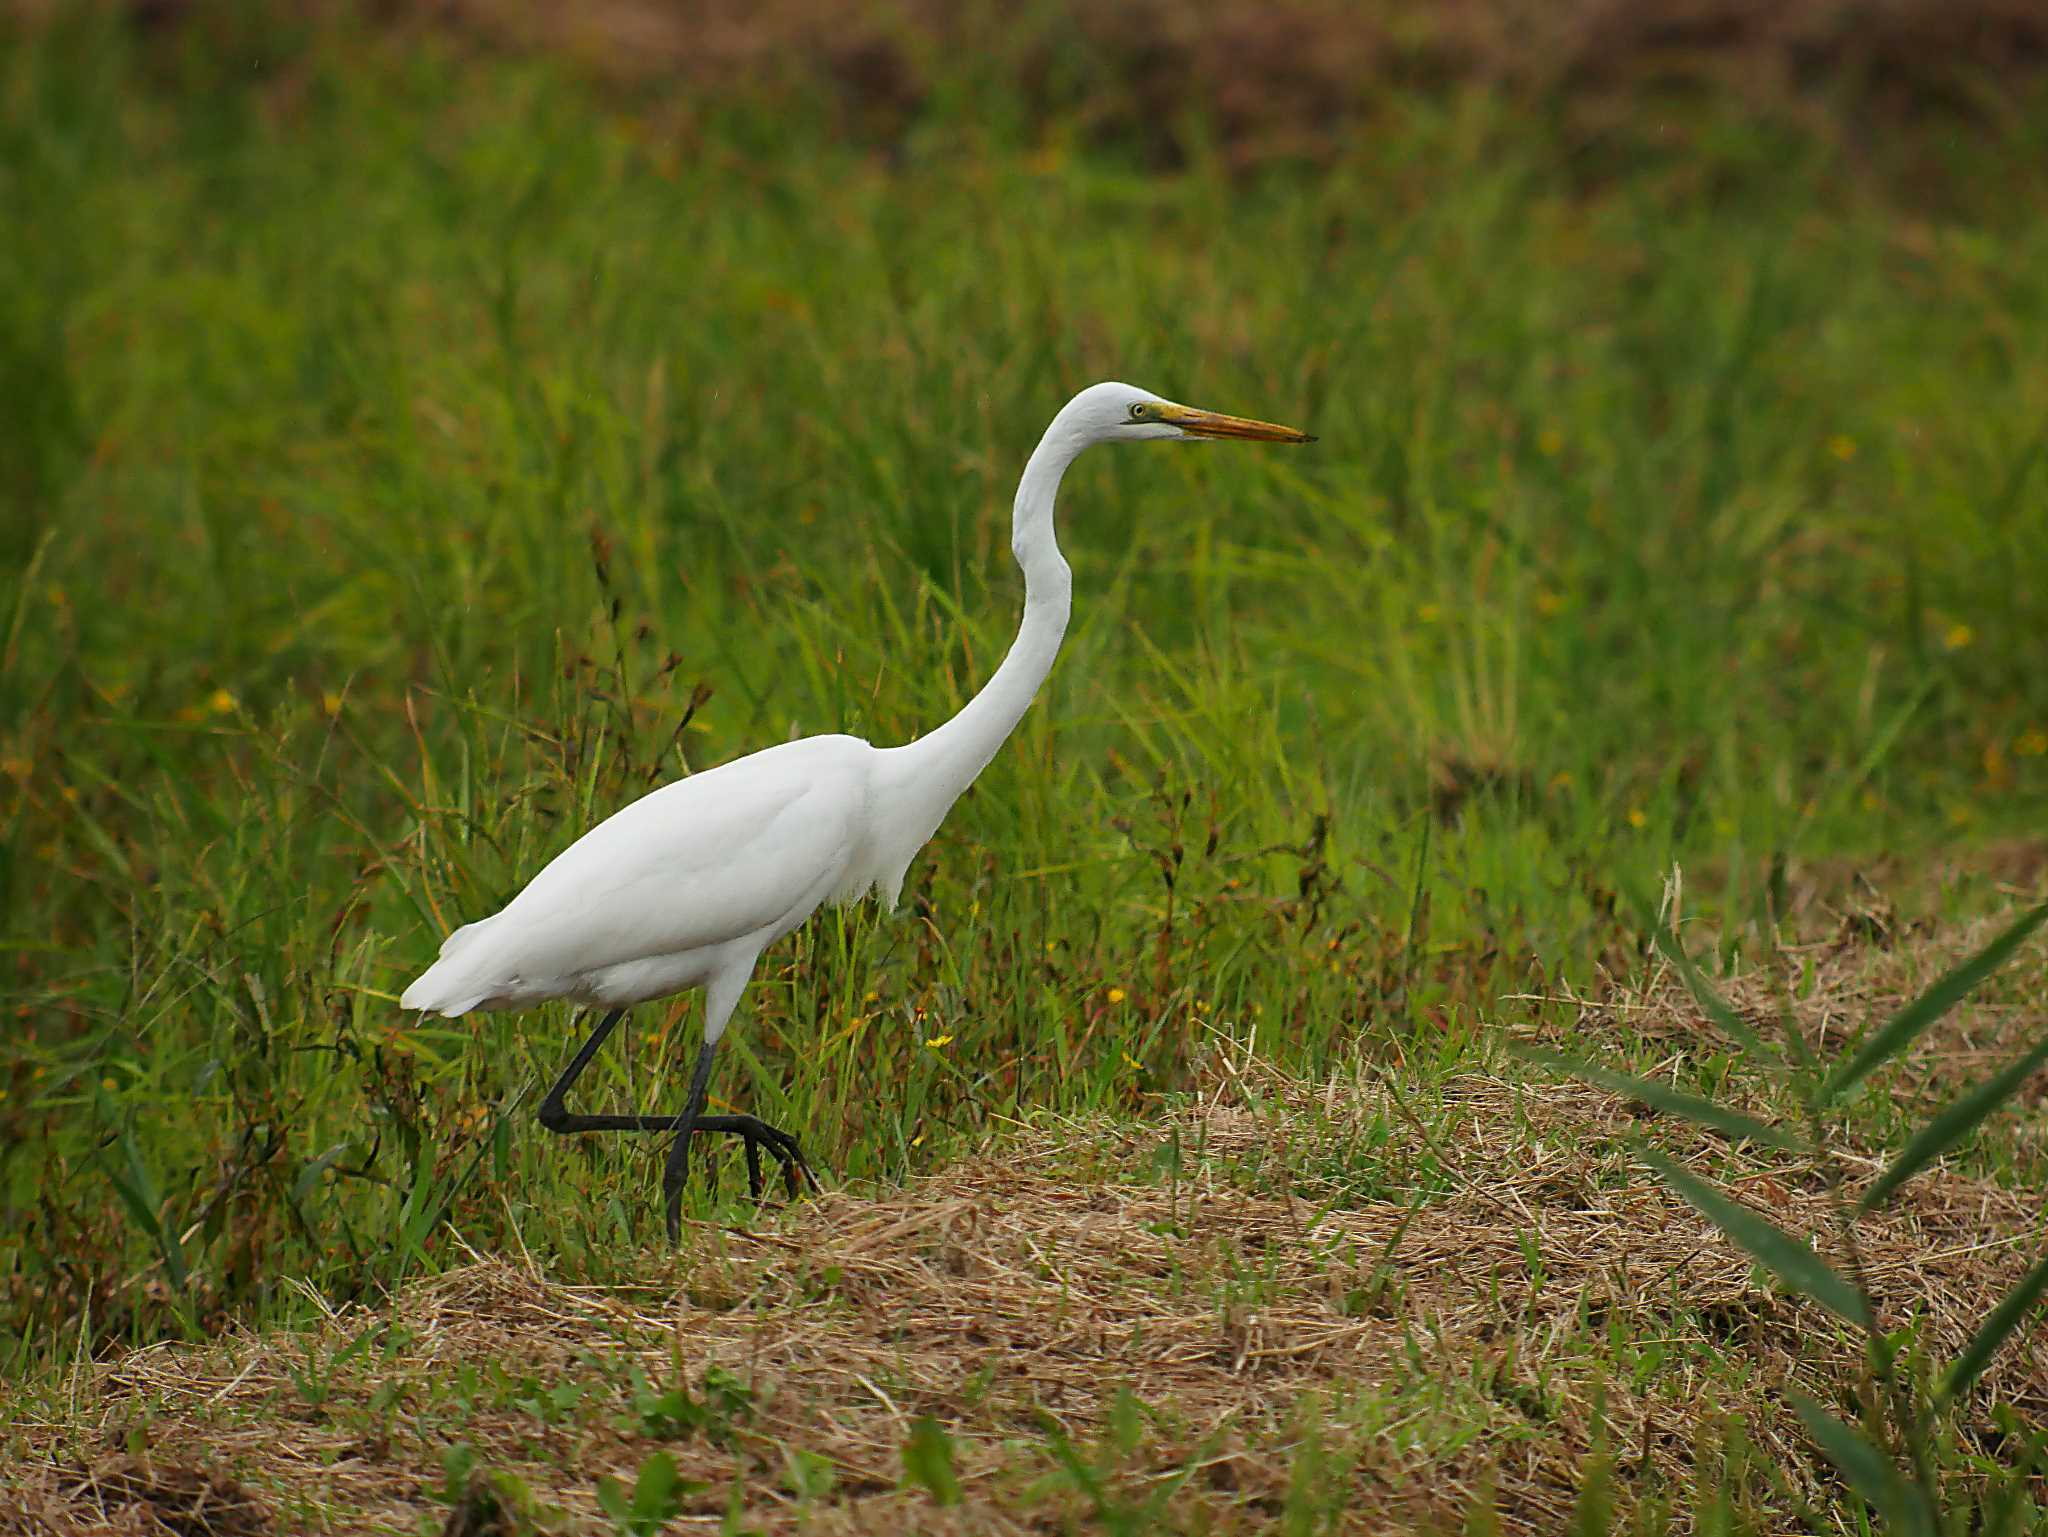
(1278, 1269)
(1256, 78)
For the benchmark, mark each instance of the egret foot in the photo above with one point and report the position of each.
(754, 1134)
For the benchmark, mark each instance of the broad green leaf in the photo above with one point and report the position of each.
(928, 1460)
(655, 1496)
(1903, 1027)
(1953, 1124)
(1868, 1471)
(138, 1205)
(2006, 1317)
(138, 1191)
(1709, 998)
(1776, 1250)
(1661, 1096)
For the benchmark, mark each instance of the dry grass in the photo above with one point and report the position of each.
(1441, 1316)
(1866, 958)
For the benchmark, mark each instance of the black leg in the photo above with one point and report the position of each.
(754, 1132)
(677, 1169)
(557, 1117)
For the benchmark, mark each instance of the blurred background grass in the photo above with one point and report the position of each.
(423, 429)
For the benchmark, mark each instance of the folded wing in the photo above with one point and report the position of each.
(740, 851)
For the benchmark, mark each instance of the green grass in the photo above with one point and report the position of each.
(397, 445)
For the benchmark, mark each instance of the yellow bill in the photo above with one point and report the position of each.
(1214, 424)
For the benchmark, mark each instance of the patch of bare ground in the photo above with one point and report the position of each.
(1451, 1294)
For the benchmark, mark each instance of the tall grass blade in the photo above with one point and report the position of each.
(1709, 998)
(1953, 1124)
(2006, 1317)
(1906, 1025)
(1867, 1469)
(1661, 1096)
(138, 1193)
(1771, 1246)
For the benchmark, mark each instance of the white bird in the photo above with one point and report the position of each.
(688, 885)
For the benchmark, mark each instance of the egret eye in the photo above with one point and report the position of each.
(1137, 410)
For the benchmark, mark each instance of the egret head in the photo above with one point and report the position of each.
(1110, 413)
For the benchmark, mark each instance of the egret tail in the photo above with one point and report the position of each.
(438, 992)
(450, 986)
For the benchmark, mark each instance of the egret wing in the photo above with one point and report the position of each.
(700, 863)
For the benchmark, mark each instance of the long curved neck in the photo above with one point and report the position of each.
(944, 762)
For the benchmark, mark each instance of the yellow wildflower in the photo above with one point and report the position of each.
(1959, 636)
(1116, 995)
(221, 702)
(939, 1040)
(1636, 817)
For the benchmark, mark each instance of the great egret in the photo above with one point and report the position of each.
(688, 885)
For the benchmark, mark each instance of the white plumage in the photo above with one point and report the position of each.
(688, 885)
(693, 879)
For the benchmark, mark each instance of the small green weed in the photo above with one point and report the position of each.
(928, 1461)
(721, 1406)
(1889, 1451)
(655, 1499)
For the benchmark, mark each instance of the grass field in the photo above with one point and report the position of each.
(409, 455)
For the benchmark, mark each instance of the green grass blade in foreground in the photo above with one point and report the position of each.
(1708, 997)
(1900, 1031)
(1772, 1247)
(1661, 1096)
(928, 1461)
(1866, 1468)
(2006, 1317)
(1953, 1124)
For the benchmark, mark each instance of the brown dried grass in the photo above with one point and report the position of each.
(1867, 958)
(1035, 1279)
